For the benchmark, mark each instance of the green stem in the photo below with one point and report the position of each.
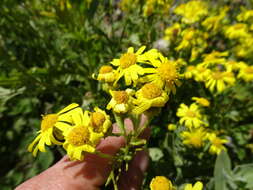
(120, 124)
(104, 155)
(114, 182)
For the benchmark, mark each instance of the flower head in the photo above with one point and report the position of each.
(201, 101)
(197, 186)
(121, 101)
(161, 183)
(150, 95)
(192, 11)
(100, 121)
(128, 67)
(237, 31)
(194, 137)
(246, 73)
(190, 115)
(106, 73)
(219, 80)
(165, 74)
(80, 138)
(48, 133)
(217, 143)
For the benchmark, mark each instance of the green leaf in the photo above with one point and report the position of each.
(245, 173)
(222, 170)
(45, 159)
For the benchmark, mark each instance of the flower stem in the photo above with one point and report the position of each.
(120, 124)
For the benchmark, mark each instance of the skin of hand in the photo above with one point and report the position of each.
(91, 173)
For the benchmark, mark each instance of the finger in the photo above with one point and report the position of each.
(132, 179)
(76, 175)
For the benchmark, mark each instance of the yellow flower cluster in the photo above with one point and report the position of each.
(163, 183)
(149, 7)
(217, 72)
(76, 130)
(149, 77)
(192, 36)
(196, 133)
(192, 11)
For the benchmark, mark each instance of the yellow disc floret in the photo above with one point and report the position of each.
(97, 120)
(151, 91)
(190, 113)
(48, 121)
(105, 69)
(168, 72)
(161, 183)
(127, 59)
(78, 136)
(120, 97)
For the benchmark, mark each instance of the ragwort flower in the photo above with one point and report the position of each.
(219, 80)
(190, 116)
(121, 101)
(80, 138)
(128, 67)
(150, 95)
(246, 73)
(106, 73)
(201, 101)
(195, 137)
(100, 121)
(165, 74)
(161, 183)
(192, 11)
(197, 186)
(48, 134)
(216, 143)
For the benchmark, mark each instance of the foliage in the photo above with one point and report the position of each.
(50, 49)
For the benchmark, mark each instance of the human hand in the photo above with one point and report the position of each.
(91, 173)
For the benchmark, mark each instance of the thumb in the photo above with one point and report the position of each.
(88, 174)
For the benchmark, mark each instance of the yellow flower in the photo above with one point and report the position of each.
(121, 101)
(161, 183)
(165, 74)
(194, 137)
(172, 127)
(150, 95)
(245, 15)
(106, 73)
(100, 121)
(192, 11)
(217, 143)
(48, 134)
(189, 71)
(219, 80)
(80, 137)
(128, 67)
(193, 38)
(214, 23)
(245, 47)
(201, 73)
(246, 73)
(215, 57)
(152, 6)
(233, 65)
(172, 32)
(197, 186)
(190, 116)
(236, 31)
(201, 101)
